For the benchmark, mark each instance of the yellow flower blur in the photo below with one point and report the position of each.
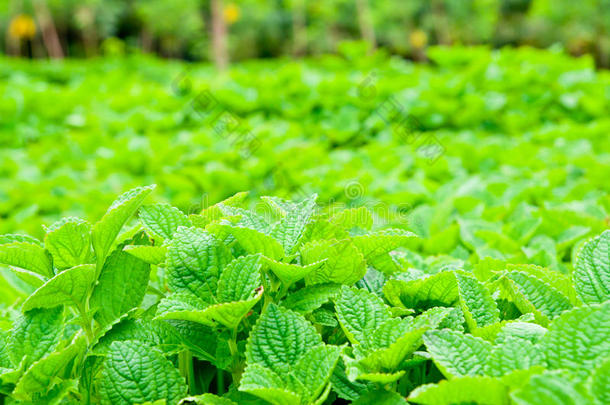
(232, 13)
(418, 39)
(22, 26)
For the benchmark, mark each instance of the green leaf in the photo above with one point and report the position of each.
(462, 390)
(532, 295)
(28, 256)
(106, 230)
(344, 263)
(291, 273)
(353, 217)
(280, 338)
(360, 313)
(513, 354)
(552, 387)
(289, 230)
(239, 279)
(592, 270)
(10, 238)
(121, 286)
(315, 368)
(69, 242)
(429, 291)
(154, 255)
(206, 399)
(346, 389)
(35, 335)
(578, 339)
(268, 385)
(478, 306)
(311, 297)
(521, 330)
(376, 247)
(194, 262)
(456, 354)
(162, 220)
(252, 241)
(135, 373)
(159, 334)
(5, 360)
(46, 373)
(188, 308)
(600, 382)
(71, 287)
(381, 398)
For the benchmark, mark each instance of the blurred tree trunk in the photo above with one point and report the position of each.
(365, 21)
(48, 30)
(299, 28)
(219, 35)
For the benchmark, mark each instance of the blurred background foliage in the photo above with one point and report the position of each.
(223, 30)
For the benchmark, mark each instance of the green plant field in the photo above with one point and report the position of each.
(346, 229)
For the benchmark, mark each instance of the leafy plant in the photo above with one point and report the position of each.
(287, 305)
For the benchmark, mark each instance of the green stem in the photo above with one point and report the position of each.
(235, 368)
(283, 290)
(86, 322)
(185, 363)
(220, 382)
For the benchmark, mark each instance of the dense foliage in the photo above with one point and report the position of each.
(436, 232)
(258, 28)
(288, 306)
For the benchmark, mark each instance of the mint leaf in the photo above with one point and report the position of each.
(194, 262)
(28, 256)
(106, 230)
(462, 390)
(456, 354)
(135, 373)
(592, 270)
(69, 242)
(35, 335)
(280, 338)
(478, 306)
(162, 220)
(344, 264)
(71, 286)
(121, 286)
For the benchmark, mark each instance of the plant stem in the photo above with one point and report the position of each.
(185, 363)
(220, 382)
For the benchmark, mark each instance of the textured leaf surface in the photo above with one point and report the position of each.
(344, 263)
(268, 385)
(28, 256)
(578, 339)
(252, 241)
(71, 286)
(462, 390)
(592, 270)
(457, 354)
(149, 254)
(360, 313)
(315, 368)
(311, 297)
(121, 286)
(69, 242)
(478, 306)
(207, 399)
(43, 374)
(239, 279)
(532, 295)
(551, 388)
(194, 262)
(162, 220)
(513, 354)
(376, 247)
(135, 373)
(279, 338)
(437, 290)
(600, 382)
(35, 335)
(290, 273)
(290, 228)
(106, 230)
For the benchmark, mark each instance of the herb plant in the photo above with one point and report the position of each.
(288, 305)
